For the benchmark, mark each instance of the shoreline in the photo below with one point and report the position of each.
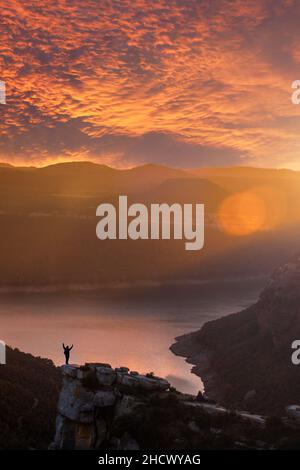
(54, 288)
(200, 359)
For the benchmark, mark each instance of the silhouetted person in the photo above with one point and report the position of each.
(200, 398)
(67, 350)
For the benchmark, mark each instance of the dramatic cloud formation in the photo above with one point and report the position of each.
(182, 82)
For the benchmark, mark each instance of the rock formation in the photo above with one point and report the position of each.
(92, 398)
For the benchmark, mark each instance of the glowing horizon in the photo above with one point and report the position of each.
(132, 166)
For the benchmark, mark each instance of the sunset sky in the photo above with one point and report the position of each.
(187, 83)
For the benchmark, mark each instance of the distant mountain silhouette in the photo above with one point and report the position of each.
(85, 177)
(189, 190)
(243, 178)
(48, 224)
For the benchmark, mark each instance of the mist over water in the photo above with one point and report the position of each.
(131, 327)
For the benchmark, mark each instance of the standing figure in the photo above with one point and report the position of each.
(67, 350)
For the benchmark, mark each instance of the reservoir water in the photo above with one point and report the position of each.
(132, 326)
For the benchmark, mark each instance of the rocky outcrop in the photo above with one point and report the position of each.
(244, 359)
(93, 398)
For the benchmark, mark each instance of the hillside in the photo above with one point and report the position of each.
(29, 389)
(244, 359)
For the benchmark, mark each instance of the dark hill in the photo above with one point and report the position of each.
(251, 351)
(29, 388)
(190, 191)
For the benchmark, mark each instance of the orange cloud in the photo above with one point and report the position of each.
(209, 75)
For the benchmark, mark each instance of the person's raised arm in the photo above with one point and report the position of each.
(71, 347)
(64, 346)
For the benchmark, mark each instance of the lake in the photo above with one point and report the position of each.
(131, 327)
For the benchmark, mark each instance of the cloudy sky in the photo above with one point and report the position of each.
(187, 83)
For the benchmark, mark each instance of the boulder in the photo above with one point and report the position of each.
(129, 380)
(293, 411)
(147, 383)
(122, 370)
(65, 434)
(164, 384)
(104, 398)
(82, 373)
(97, 364)
(70, 370)
(72, 400)
(86, 413)
(125, 406)
(152, 384)
(105, 375)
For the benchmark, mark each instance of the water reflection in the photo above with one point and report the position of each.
(132, 327)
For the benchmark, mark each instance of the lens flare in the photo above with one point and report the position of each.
(242, 214)
(248, 212)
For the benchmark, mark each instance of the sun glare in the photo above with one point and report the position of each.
(251, 211)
